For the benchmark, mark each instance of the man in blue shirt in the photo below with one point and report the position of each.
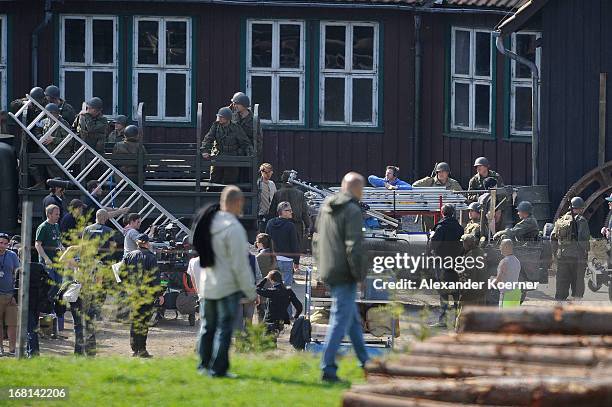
(391, 180)
(9, 262)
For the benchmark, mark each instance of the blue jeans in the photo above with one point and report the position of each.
(215, 337)
(344, 319)
(286, 270)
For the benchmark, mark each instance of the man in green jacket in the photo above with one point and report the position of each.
(526, 229)
(340, 260)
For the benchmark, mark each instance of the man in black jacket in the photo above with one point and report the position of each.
(446, 243)
(144, 278)
(279, 299)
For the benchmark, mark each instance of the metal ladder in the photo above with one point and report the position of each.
(120, 184)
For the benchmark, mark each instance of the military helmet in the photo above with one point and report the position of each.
(489, 183)
(52, 91)
(442, 167)
(474, 206)
(131, 131)
(52, 108)
(37, 93)
(237, 95)
(225, 112)
(121, 119)
(242, 100)
(525, 206)
(577, 203)
(95, 103)
(481, 161)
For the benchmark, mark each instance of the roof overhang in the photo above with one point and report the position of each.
(520, 18)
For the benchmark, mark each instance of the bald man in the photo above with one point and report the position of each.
(341, 265)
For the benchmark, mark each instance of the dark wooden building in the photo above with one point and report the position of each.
(342, 85)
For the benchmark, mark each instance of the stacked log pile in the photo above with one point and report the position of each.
(556, 356)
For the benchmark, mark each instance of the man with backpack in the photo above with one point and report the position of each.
(570, 243)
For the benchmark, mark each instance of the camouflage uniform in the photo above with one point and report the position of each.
(525, 230)
(58, 135)
(427, 222)
(92, 130)
(25, 142)
(130, 147)
(116, 136)
(572, 256)
(473, 228)
(66, 111)
(224, 140)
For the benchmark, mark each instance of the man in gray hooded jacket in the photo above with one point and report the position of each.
(340, 260)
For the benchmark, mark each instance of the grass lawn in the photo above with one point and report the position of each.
(264, 380)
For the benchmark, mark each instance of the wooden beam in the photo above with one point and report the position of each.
(603, 80)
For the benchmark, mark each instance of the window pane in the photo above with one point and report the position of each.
(335, 41)
(148, 42)
(483, 54)
(462, 105)
(522, 109)
(482, 107)
(334, 100)
(176, 43)
(103, 88)
(74, 45)
(147, 93)
(74, 88)
(103, 49)
(289, 46)
(525, 47)
(462, 52)
(176, 86)
(362, 100)
(262, 94)
(363, 48)
(261, 45)
(289, 98)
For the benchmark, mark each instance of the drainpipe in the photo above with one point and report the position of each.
(35, 33)
(535, 106)
(416, 161)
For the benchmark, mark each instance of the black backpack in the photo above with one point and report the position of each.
(300, 333)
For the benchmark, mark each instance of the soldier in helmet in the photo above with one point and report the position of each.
(52, 93)
(224, 138)
(440, 178)
(117, 134)
(91, 125)
(25, 142)
(474, 226)
(51, 141)
(482, 172)
(131, 147)
(570, 243)
(243, 116)
(526, 229)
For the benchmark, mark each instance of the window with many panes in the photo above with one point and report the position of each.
(161, 75)
(275, 69)
(3, 74)
(524, 44)
(471, 83)
(89, 60)
(348, 88)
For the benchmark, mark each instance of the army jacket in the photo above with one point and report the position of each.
(526, 229)
(477, 183)
(225, 140)
(59, 134)
(578, 244)
(435, 182)
(92, 130)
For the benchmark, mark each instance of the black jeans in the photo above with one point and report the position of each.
(32, 346)
(140, 328)
(83, 316)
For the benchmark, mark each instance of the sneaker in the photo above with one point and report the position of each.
(330, 378)
(144, 354)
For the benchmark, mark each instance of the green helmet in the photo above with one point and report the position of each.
(95, 103)
(52, 91)
(481, 161)
(242, 100)
(37, 93)
(131, 131)
(52, 108)
(577, 203)
(474, 206)
(225, 112)
(442, 167)
(525, 206)
(121, 119)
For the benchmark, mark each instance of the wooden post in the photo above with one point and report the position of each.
(198, 157)
(603, 80)
(24, 279)
(491, 214)
(256, 163)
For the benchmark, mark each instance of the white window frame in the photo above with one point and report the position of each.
(275, 72)
(472, 80)
(3, 63)
(161, 68)
(89, 67)
(521, 82)
(349, 74)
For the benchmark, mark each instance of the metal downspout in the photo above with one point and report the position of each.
(535, 105)
(35, 33)
(416, 163)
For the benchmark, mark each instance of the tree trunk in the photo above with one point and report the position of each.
(569, 320)
(519, 339)
(352, 399)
